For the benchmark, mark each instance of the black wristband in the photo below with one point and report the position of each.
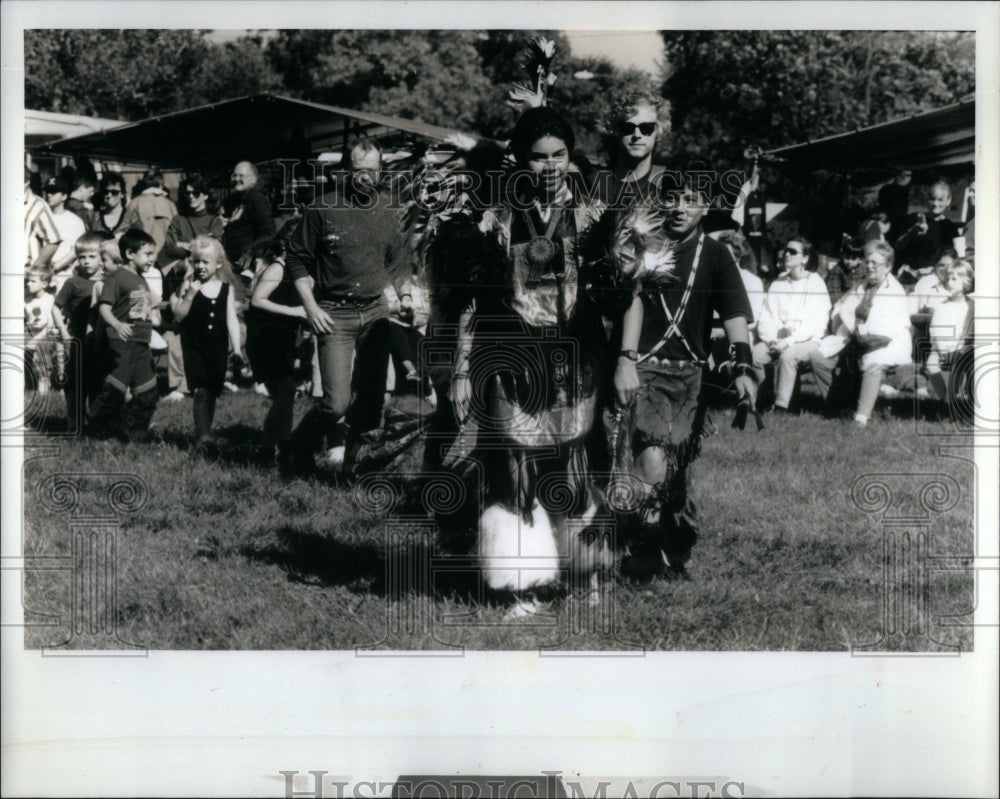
(632, 355)
(741, 354)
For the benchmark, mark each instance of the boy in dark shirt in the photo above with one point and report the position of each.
(73, 300)
(126, 309)
(665, 339)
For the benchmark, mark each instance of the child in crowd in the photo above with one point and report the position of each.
(848, 271)
(74, 302)
(205, 308)
(43, 325)
(948, 328)
(273, 321)
(125, 307)
(111, 262)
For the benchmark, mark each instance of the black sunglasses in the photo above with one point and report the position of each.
(112, 191)
(628, 128)
(790, 251)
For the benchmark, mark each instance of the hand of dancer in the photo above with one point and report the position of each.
(626, 381)
(461, 396)
(746, 387)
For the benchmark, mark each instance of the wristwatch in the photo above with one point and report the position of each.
(632, 355)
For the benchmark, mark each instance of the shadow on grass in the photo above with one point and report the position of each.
(237, 444)
(366, 568)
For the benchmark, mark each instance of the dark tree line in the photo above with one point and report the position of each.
(727, 88)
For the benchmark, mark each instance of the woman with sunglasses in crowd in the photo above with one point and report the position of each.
(196, 217)
(110, 201)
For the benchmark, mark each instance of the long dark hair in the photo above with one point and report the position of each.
(534, 124)
(199, 183)
(107, 181)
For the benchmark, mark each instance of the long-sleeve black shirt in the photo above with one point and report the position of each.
(350, 252)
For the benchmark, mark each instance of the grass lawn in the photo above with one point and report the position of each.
(220, 554)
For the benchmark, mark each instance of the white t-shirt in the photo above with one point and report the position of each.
(38, 313)
(927, 293)
(70, 228)
(947, 326)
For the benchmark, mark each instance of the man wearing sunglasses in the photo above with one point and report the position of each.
(793, 322)
(632, 129)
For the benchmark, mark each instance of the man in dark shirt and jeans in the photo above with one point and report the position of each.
(341, 257)
(665, 340)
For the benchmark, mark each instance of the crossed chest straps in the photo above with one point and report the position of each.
(674, 319)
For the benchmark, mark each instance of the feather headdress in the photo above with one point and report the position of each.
(620, 251)
(537, 63)
(640, 249)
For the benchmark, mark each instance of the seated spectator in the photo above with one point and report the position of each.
(930, 290)
(872, 333)
(70, 228)
(848, 271)
(151, 209)
(949, 330)
(874, 228)
(924, 236)
(110, 201)
(793, 320)
(927, 294)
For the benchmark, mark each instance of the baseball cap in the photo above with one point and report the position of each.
(53, 185)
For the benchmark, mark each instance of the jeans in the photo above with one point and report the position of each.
(357, 331)
(789, 362)
(871, 380)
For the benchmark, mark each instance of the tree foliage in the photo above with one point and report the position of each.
(133, 74)
(730, 89)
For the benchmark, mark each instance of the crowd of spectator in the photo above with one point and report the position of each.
(891, 311)
(86, 327)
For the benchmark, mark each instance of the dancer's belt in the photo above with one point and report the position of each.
(653, 360)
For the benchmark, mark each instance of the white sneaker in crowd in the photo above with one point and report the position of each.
(260, 388)
(230, 386)
(175, 396)
(887, 391)
(860, 419)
